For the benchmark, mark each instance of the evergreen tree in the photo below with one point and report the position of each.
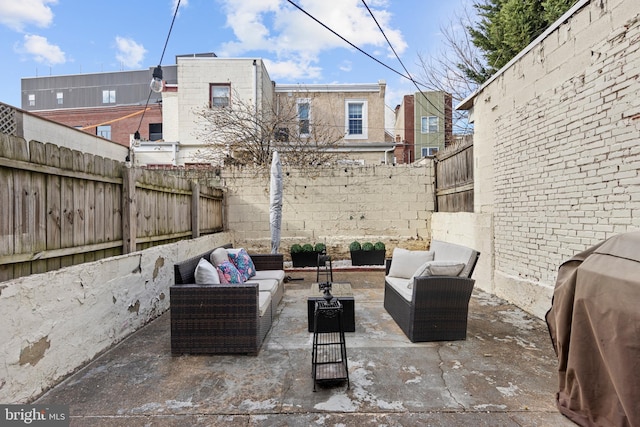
(506, 27)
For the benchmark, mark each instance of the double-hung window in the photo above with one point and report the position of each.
(304, 116)
(220, 95)
(356, 117)
(59, 98)
(429, 124)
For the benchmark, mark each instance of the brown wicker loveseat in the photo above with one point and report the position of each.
(223, 318)
(429, 306)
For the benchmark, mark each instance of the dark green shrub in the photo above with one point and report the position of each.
(355, 246)
(295, 249)
(319, 247)
(367, 246)
(307, 247)
(379, 246)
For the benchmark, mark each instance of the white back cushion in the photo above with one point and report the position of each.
(404, 263)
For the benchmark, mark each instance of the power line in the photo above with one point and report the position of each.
(347, 41)
(401, 63)
(166, 42)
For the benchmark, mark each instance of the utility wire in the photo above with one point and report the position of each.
(347, 41)
(401, 63)
(159, 64)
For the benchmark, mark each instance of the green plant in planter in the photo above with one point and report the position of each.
(307, 247)
(378, 246)
(367, 246)
(355, 246)
(320, 247)
(295, 248)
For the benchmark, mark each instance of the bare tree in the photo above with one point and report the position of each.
(452, 68)
(245, 134)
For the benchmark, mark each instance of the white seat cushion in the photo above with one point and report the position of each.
(266, 285)
(264, 303)
(269, 274)
(401, 285)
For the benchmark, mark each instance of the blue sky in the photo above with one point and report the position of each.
(58, 37)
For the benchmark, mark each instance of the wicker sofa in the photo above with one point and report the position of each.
(428, 292)
(224, 318)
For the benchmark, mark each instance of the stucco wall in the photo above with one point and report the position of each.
(53, 323)
(557, 143)
(334, 206)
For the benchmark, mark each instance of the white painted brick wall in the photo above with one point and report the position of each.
(558, 137)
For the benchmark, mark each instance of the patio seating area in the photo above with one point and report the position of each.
(504, 373)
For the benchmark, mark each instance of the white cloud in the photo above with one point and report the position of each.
(43, 51)
(130, 54)
(17, 14)
(294, 38)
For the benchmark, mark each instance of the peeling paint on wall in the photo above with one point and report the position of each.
(159, 265)
(135, 307)
(35, 352)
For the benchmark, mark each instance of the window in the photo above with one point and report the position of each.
(220, 95)
(304, 110)
(109, 96)
(429, 124)
(356, 116)
(32, 100)
(104, 131)
(155, 131)
(429, 151)
(59, 98)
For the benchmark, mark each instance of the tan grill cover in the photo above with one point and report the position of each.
(594, 323)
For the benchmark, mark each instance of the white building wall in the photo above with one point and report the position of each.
(195, 74)
(557, 149)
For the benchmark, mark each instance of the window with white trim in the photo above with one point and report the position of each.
(304, 116)
(356, 119)
(32, 100)
(429, 124)
(220, 95)
(59, 98)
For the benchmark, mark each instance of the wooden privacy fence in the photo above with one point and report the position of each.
(60, 207)
(454, 178)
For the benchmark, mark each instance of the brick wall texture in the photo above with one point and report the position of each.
(558, 134)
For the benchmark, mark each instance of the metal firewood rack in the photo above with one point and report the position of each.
(329, 355)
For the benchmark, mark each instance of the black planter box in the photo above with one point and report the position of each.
(305, 259)
(367, 257)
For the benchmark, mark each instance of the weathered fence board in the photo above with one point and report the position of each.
(454, 178)
(61, 207)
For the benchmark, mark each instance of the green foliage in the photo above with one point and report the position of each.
(355, 246)
(506, 27)
(319, 247)
(554, 9)
(295, 248)
(367, 246)
(379, 246)
(307, 247)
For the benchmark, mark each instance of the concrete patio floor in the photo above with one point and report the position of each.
(503, 374)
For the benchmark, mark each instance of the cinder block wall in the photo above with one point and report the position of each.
(334, 205)
(557, 137)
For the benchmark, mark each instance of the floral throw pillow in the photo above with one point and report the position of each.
(231, 273)
(243, 263)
